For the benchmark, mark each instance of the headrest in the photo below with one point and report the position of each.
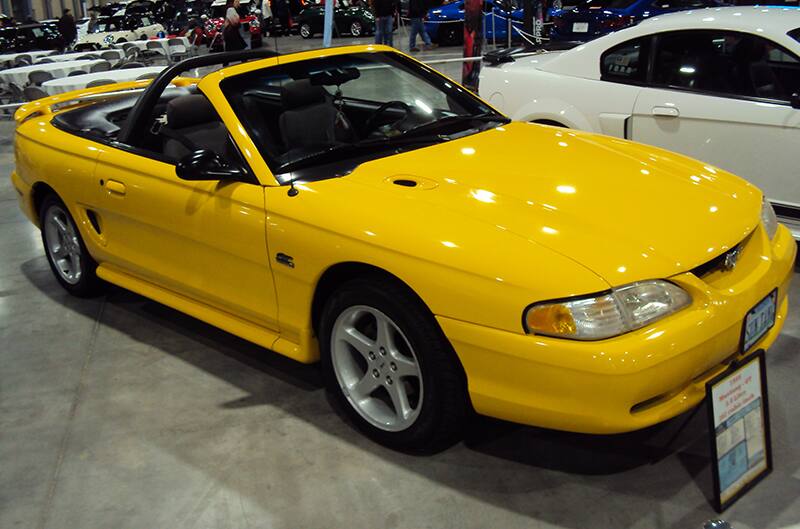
(189, 111)
(297, 94)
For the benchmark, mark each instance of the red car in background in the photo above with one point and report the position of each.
(250, 20)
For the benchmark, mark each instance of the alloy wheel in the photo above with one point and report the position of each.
(376, 368)
(63, 245)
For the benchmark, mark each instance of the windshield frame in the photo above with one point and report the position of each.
(473, 105)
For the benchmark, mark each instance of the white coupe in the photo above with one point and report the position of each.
(721, 85)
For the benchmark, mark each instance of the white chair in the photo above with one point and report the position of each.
(153, 51)
(177, 50)
(100, 67)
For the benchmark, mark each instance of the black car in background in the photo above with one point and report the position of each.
(349, 18)
(188, 16)
(30, 37)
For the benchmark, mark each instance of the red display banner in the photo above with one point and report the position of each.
(473, 43)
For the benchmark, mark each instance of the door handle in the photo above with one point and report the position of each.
(667, 112)
(115, 187)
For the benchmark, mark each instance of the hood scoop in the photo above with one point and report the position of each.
(412, 182)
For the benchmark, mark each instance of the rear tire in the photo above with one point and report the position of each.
(305, 31)
(390, 368)
(356, 29)
(66, 253)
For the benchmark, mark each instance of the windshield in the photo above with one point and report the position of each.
(795, 34)
(343, 109)
(106, 25)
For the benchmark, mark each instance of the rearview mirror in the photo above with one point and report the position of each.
(795, 101)
(206, 165)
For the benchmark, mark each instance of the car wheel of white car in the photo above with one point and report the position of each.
(305, 31)
(356, 29)
(66, 253)
(389, 366)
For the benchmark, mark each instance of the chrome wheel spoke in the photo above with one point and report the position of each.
(59, 251)
(397, 392)
(357, 340)
(404, 367)
(385, 334)
(366, 386)
(62, 227)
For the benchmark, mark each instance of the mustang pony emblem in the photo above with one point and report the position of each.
(731, 258)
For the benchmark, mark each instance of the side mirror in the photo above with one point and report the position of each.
(206, 165)
(795, 101)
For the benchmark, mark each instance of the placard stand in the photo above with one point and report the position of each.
(738, 415)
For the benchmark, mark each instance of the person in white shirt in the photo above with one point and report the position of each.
(266, 16)
(230, 31)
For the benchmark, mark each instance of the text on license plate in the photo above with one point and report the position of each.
(580, 27)
(759, 320)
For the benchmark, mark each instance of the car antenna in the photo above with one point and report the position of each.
(293, 192)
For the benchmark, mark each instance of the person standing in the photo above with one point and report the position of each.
(230, 31)
(384, 19)
(266, 17)
(66, 24)
(416, 10)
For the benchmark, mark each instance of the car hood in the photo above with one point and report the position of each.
(626, 211)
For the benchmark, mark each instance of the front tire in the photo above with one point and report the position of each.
(390, 367)
(66, 253)
(305, 31)
(356, 29)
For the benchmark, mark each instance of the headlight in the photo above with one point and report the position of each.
(768, 218)
(601, 316)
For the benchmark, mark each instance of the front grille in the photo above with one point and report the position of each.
(718, 262)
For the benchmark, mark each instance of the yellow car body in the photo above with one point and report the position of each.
(499, 220)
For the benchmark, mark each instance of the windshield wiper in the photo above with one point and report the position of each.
(486, 117)
(334, 152)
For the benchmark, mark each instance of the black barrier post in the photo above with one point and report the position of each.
(473, 43)
(527, 16)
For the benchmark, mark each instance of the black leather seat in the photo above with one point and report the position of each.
(193, 124)
(310, 120)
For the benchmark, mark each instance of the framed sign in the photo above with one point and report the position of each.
(739, 423)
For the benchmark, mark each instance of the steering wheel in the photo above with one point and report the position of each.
(370, 124)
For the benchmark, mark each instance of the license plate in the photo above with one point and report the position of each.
(580, 27)
(759, 320)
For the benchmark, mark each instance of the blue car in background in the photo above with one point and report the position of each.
(595, 18)
(445, 24)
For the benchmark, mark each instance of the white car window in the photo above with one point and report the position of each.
(627, 62)
(725, 63)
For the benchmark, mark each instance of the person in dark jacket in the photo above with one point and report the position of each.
(384, 20)
(416, 10)
(66, 24)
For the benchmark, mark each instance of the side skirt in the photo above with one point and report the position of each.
(223, 320)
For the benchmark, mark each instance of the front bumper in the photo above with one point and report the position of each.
(634, 380)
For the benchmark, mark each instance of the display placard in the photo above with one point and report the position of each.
(739, 424)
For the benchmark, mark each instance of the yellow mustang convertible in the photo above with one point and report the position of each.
(355, 207)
